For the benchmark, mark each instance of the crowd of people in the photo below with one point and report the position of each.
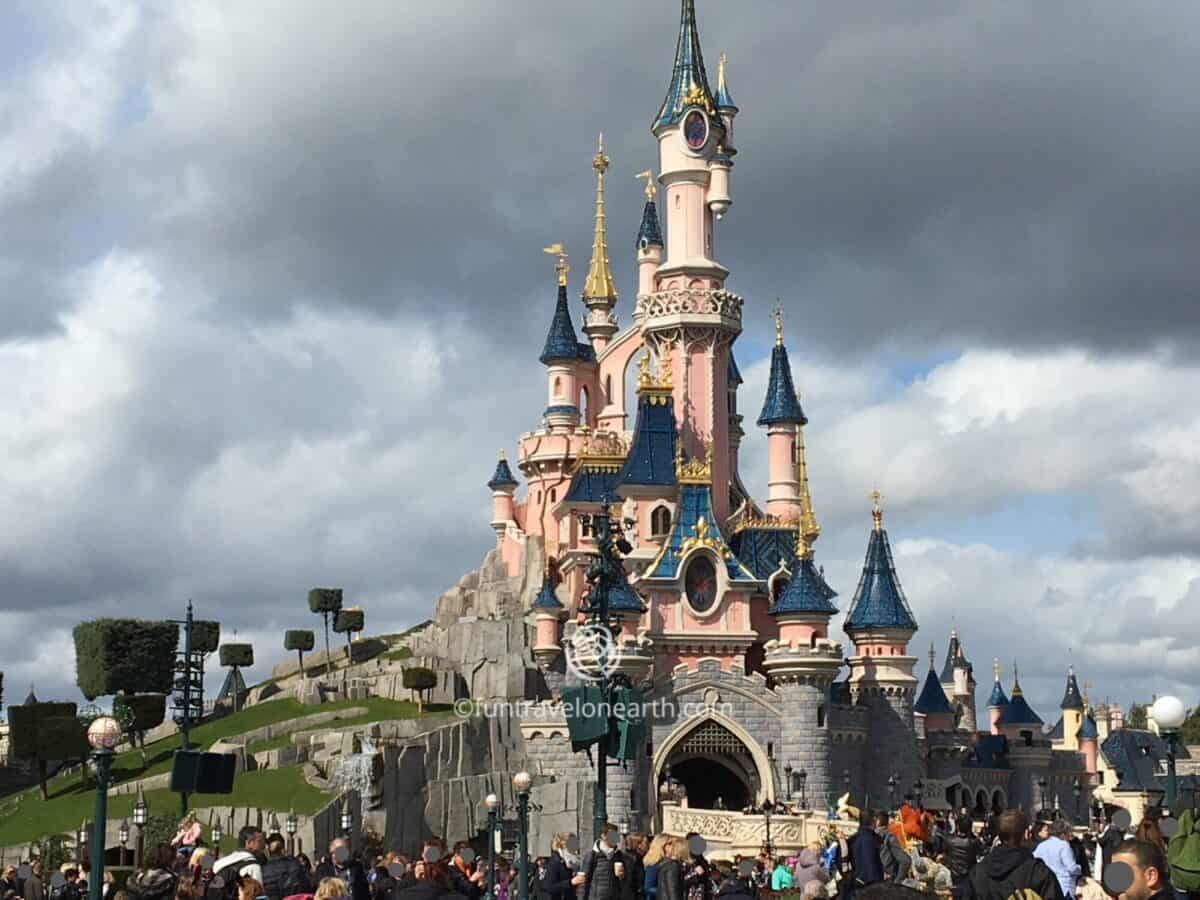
(889, 857)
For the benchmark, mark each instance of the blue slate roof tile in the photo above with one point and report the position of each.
(1057, 732)
(879, 601)
(695, 503)
(688, 72)
(1018, 711)
(650, 233)
(546, 598)
(990, 752)
(933, 700)
(733, 375)
(806, 591)
(503, 476)
(998, 697)
(592, 483)
(621, 596)
(1137, 756)
(762, 549)
(781, 405)
(1072, 699)
(1088, 729)
(561, 343)
(651, 459)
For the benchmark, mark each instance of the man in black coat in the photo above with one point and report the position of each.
(865, 851)
(962, 851)
(282, 874)
(599, 868)
(339, 864)
(1011, 867)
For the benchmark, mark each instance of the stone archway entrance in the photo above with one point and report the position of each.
(718, 764)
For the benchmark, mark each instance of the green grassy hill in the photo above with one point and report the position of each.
(25, 816)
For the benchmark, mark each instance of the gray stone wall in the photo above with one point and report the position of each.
(804, 739)
(891, 747)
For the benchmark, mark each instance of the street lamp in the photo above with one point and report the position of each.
(1042, 784)
(81, 839)
(521, 783)
(492, 802)
(1169, 715)
(217, 834)
(803, 776)
(891, 785)
(141, 815)
(274, 826)
(768, 847)
(291, 825)
(123, 837)
(791, 785)
(1077, 790)
(918, 788)
(103, 735)
(347, 821)
(846, 780)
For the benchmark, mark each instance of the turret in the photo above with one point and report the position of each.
(958, 681)
(1088, 738)
(560, 355)
(782, 417)
(880, 621)
(548, 612)
(1018, 721)
(803, 664)
(1072, 711)
(649, 239)
(998, 699)
(599, 294)
(726, 107)
(933, 705)
(503, 485)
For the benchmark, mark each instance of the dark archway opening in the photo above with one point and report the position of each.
(706, 780)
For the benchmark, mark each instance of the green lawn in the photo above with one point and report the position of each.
(26, 816)
(398, 654)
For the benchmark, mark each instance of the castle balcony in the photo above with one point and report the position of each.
(729, 833)
(675, 308)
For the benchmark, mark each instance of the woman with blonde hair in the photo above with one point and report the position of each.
(671, 869)
(652, 859)
(328, 889)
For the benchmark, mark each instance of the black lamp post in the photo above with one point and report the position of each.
(846, 779)
(791, 785)
(1169, 715)
(347, 822)
(1077, 790)
(141, 815)
(492, 802)
(103, 734)
(522, 782)
(891, 785)
(768, 847)
(217, 834)
(81, 840)
(803, 776)
(123, 837)
(292, 825)
(1042, 785)
(918, 788)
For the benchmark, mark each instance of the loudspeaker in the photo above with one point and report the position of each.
(196, 772)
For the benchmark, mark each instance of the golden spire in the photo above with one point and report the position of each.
(808, 518)
(802, 546)
(721, 73)
(561, 266)
(877, 510)
(1016, 690)
(650, 189)
(599, 283)
(778, 323)
(996, 668)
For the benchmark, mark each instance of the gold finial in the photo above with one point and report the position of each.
(1016, 680)
(808, 518)
(650, 189)
(502, 453)
(802, 546)
(644, 370)
(932, 656)
(876, 509)
(561, 266)
(778, 323)
(1087, 706)
(658, 387)
(599, 281)
(996, 668)
(721, 73)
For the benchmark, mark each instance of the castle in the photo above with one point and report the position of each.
(725, 614)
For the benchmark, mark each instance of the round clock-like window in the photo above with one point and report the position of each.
(700, 583)
(695, 130)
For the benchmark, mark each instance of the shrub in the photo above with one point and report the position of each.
(128, 656)
(41, 732)
(325, 600)
(300, 640)
(418, 679)
(206, 636)
(349, 620)
(237, 655)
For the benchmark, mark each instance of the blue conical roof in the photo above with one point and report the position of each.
(1018, 711)
(689, 82)
(546, 598)
(1072, 699)
(561, 343)
(650, 234)
(879, 601)
(733, 375)
(503, 476)
(781, 405)
(621, 597)
(998, 697)
(806, 591)
(1088, 729)
(933, 700)
(651, 458)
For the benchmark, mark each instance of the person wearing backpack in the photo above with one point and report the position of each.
(1183, 854)
(282, 874)
(1011, 869)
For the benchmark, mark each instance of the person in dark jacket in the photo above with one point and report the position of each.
(670, 870)
(157, 880)
(598, 868)
(1149, 869)
(866, 852)
(733, 888)
(34, 888)
(1110, 840)
(1011, 867)
(339, 864)
(556, 883)
(431, 875)
(282, 874)
(961, 852)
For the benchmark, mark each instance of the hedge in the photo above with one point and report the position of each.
(325, 600)
(206, 636)
(145, 711)
(299, 640)
(240, 655)
(348, 620)
(125, 656)
(417, 678)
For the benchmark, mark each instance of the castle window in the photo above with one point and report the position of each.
(821, 716)
(539, 496)
(585, 528)
(660, 521)
(557, 386)
(553, 495)
(608, 388)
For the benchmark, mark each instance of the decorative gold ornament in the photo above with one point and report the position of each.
(561, 266)
(599, 281)
(876, 509)
(778, 322)
(693, 471)
(650, 189)
(706, 537)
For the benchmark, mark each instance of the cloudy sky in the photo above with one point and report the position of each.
(272, 293)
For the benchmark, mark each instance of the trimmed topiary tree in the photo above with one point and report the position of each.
(418, 679)
(206, 637)
(138, 713)
(301, 641)
(349, 622)
(327, 602)
(130, 656)
(236, 657)
(42, 732)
